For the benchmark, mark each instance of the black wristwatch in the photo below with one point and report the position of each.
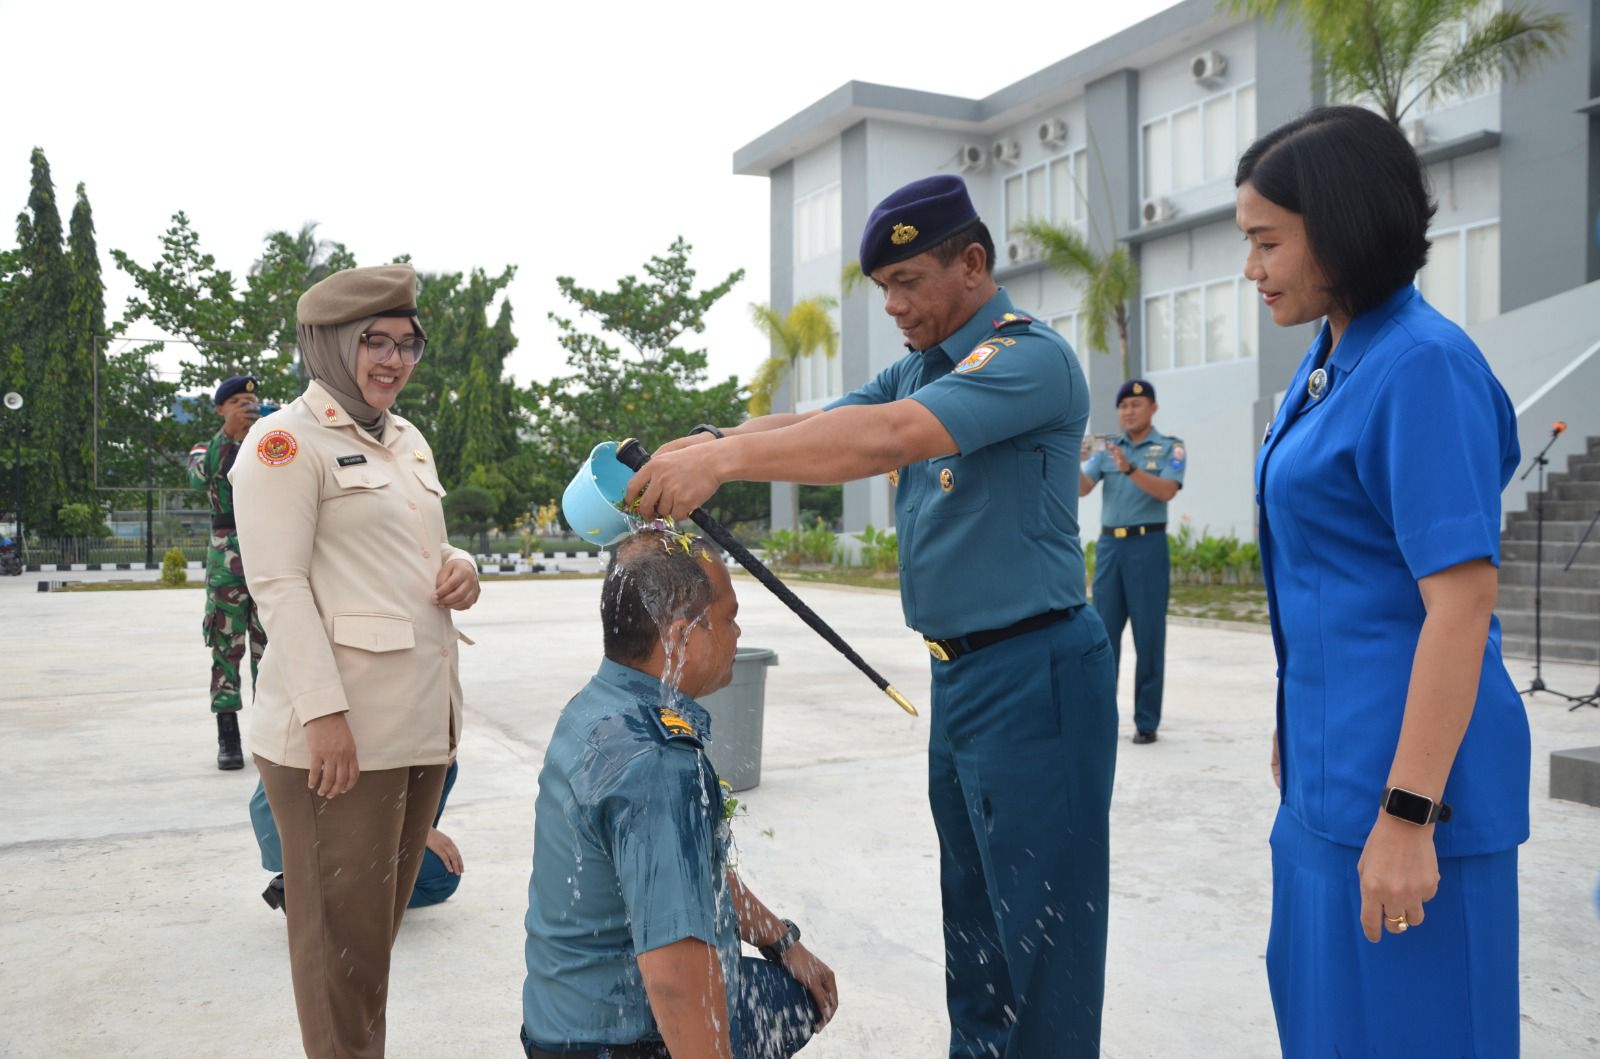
(1413, 808)
(706, 428)
(774, 953)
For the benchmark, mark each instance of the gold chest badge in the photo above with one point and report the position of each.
(947, 479)
(894, 477)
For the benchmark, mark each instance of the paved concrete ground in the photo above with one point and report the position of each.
(130, 921)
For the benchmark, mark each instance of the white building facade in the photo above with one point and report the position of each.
(1134, 140)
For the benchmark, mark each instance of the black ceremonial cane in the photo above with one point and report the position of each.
(632, 455)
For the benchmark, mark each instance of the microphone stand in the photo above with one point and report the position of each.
(1593, 698)
(1538, 683)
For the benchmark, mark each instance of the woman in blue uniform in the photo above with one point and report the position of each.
(1401, 751)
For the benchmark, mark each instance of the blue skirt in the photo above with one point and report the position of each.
(1446, 988)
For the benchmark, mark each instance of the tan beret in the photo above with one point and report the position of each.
(357, 293)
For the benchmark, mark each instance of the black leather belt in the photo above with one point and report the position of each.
(224, 523)
(949, 650)
(638, 1050)
(1133, 531)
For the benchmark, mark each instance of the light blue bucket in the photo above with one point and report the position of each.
(590, 502)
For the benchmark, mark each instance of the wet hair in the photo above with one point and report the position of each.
(952, 246)
(1362, 192)
(651, 580)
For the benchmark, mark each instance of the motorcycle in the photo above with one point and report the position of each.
(10, 558)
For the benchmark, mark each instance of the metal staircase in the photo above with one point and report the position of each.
(1571, 627)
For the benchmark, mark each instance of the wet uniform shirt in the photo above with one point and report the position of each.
(1392, 474)
(629, 855)
(1125, 504)
(989, 533)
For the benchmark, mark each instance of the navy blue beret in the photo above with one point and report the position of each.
(915, 219)
(1136, 388)
(234, 384)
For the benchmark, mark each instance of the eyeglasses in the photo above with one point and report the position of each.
(383, 348)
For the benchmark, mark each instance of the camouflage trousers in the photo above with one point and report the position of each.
(232, 624)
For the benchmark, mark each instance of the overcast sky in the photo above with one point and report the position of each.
(565, 139)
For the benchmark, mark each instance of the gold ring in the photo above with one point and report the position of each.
(1400, 924)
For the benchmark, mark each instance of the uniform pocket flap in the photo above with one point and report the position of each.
(360, 476)
(430, 481)
(373, 632)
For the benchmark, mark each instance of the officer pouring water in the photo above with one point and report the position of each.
(980, 423)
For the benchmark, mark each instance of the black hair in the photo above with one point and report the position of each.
(952, 245)
(652, 579)
(1361, 190)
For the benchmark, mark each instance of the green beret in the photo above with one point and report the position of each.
(359, 293)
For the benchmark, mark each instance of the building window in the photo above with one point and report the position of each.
(816, 224)
(1208, 323)
(1198, 144)
(1054, 191)
(1462, 276)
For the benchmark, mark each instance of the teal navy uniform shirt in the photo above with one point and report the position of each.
(1124, 503)
(989, 534)
(1393, 474)
(629, 855)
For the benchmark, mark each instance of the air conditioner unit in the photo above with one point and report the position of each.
(1052, 133)
(1021, 251)
(1156, 210)
(1417, 133)
(971, 157)
(1007, 151)
(1208, 67)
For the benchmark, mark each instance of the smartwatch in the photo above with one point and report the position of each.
(774, 953)
(1414, 808)
(706, 428)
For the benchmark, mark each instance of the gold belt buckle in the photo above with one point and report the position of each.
(1120, 532)
(936, 649)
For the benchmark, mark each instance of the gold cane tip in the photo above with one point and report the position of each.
(905, 703)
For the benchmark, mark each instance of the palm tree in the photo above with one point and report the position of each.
(1398, 53)
(1110, 280)
(806, 329)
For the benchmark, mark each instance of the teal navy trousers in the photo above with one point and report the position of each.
(435, 882)
(1021, 752)
(1132, 581)
(1446, 988)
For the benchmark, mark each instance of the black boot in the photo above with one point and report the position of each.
(273, 894)
(229, 753)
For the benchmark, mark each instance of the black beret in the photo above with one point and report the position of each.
(915, 219)
(1136, 388)
(234, 384)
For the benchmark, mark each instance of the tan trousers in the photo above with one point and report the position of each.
(349, 864)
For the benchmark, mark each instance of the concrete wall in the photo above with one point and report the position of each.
(1548, 157)
(781, 264)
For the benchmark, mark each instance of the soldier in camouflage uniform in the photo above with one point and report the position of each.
(231, 621)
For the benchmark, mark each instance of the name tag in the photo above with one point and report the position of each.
(351, 461)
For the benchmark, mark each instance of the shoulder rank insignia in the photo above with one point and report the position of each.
(673, 725)
(903, 234)
(276, 448)
(1005, 320)
(976, 359)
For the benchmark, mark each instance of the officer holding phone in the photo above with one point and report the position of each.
(1143, 470)
(231, 624)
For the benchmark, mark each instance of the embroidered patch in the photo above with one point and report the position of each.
(277, 448)
(1004, 341)
(976, 359)
(1178, 455)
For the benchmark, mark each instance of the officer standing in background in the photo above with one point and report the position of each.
(231, 623)
(981, 422)
(1143, 471)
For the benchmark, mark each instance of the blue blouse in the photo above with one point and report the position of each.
(1393, 473)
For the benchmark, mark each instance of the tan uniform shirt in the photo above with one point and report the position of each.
(343, 538)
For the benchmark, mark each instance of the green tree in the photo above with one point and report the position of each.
(470, 509)
(86, 325)
(1110, 280)
(807, 328)
(1398, 53)
(635, 378)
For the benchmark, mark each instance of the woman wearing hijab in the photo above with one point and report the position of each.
(1402, 749)
(358, 708)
